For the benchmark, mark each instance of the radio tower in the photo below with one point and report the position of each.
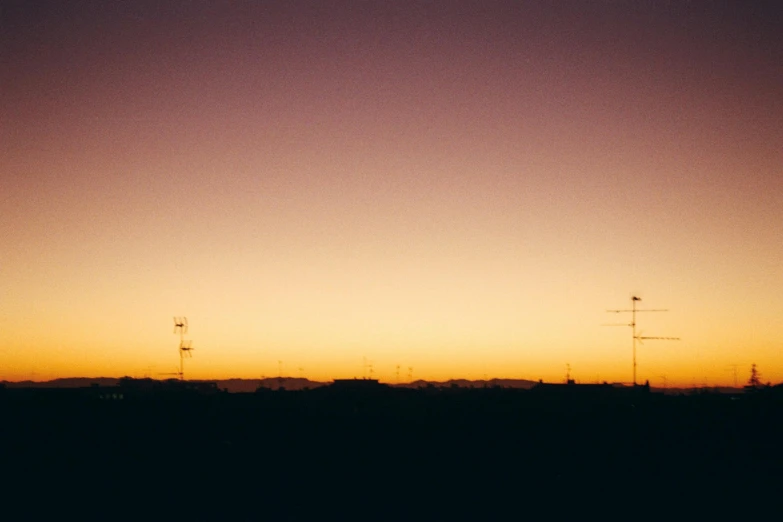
(634, 336)
(181, 324)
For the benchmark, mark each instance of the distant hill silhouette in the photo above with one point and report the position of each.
(289, 383)
(69, 382)
(465, 383)
(231, 385)
(295, 383)
(273, 383)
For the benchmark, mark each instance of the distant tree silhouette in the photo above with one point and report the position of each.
(755, 377)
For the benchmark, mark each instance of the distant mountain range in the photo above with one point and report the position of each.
(274, 383)
(294, 383)
(231, 385)
(70, 382)
(465, 383)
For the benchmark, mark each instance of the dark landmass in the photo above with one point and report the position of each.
(466, 383)
(362, 449)
(251, 385)
(230, 385)
(697, 390)
(295, 383)
(70, 382)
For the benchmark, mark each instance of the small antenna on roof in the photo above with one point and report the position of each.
(733, 368)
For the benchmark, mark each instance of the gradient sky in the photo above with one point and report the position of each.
(459, 187)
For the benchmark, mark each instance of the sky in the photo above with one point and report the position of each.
(458, 189)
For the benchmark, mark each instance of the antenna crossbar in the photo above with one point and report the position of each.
(634, 337)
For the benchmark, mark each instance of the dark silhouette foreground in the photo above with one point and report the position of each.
(383, 453)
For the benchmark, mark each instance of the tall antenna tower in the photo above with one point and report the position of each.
(181, 325)
(634, 336)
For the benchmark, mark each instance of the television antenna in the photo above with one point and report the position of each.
(410, 374)
(733, 368)
(633, 310)
(185, 347)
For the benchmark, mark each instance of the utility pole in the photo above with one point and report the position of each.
(633, 310)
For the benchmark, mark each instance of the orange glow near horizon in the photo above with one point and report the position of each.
(461, 189)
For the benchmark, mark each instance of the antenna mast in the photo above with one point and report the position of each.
(733, 368)
(632, 324)
(181, 324)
